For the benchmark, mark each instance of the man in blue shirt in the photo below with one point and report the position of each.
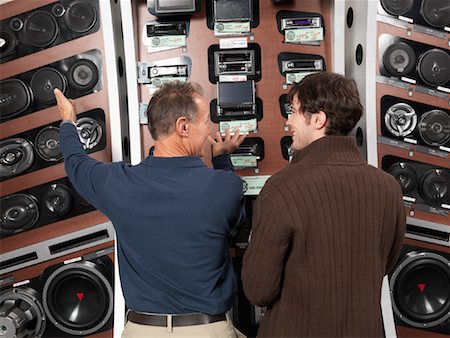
(172, 214)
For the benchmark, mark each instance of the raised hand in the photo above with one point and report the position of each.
(66, 107)
(228, 144)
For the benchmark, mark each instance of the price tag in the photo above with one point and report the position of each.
(303, 35)
(247, 161)
(245, 126)
(296, 77)
(254, 184)
(224, 28)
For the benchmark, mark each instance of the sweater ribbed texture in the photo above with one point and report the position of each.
(326, 229)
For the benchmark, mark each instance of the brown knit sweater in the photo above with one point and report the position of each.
(326, 229)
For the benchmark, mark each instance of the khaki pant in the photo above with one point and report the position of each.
(222, 329)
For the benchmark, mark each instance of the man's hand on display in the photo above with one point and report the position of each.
(66, 107)
(228, 144)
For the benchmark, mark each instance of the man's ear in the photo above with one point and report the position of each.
(320, 120)
(181, 126)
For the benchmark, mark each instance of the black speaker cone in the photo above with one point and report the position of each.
(19, 212)
(44, 81)
(421, 290)
(436, 12)
(400, 119)
(89, 131)
(41, 28)
(15, 98)
(78, 298)
(434, 186)
(434, 67)
(47, 144)
(397, 7)
(16, 156)
(399, 59)
(405, 175)
(80, 16)
(434, 127)
(83, 75)
(57, 200)
(21, 312)
(8, 42)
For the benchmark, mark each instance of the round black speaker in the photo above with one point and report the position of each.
(15, 98)
(397, 7)
(434, 127)
(434, 67)
(400, 119)
(22, 314)
(78, 298)
(436, 12)
(41, 28)
(80, 16)
(83, 75)
(434, 186)
(57, 200)
(89, 131)
(47, 144)
(44, 81)
(420, 289)
(8, 42)
(19, 212)
(405, 175)
(16, 156)
(399, 59)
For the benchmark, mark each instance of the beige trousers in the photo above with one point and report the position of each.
(222, 329)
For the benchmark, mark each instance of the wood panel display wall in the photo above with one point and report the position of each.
(413, 143)
(44, 222)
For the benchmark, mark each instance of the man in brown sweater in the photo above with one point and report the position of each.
(326, 228)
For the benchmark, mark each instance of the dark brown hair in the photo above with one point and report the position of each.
(171, 101)
(333, 94)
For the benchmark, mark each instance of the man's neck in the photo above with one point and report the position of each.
(170, 147)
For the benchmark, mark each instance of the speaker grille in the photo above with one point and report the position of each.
(80, 16)
(47, 144)
(434, 186)
(89, 131)
(434, 67)
(399, 59)
(405, 175)
(436, 12)
(16, 156)
(19, 212)
(434, 127)
(400, 119)
(41, 28)
(57, 200)
(83, 75)
(44, 81)
(15, 98)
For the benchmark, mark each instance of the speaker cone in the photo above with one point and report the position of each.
(22, 314)
(41, 28)
(78, 298)
(420, 288)
(83, 75)
(19, 212)
(44, 81)
(434, 127)
(434, 186)
(434, 67)
(8, 42)
(400, 119)
(399, 59)
(57, 200)
(397, 7)
(405, 175)
(47, 144)
(15, 98)
(16, 156)
(80, 16)
(436, 12)
(89, 131)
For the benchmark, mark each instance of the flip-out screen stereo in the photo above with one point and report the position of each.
(421, 183)
(28, 92)
(224, 12)
(415, 122)
(47, 26)
(236, 98)
(414, 62)
(420, 289)
(18, 152)
(173, 7)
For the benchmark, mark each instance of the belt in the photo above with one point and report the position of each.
(173, 320)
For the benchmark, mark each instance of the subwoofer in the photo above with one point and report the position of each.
(420, 289)
(16, 156)
(405, 175)
(15, 97)
(19, 212)
(434, 127)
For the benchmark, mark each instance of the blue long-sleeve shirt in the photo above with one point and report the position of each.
(173, 217)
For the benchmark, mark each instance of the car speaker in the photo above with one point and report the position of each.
(436, 12)
(15, 98)
(40, 28)
(434, 186)
(397, 7)
(399, 59)
(434, 127)
(80, 16)
(434, 67)
(405, 175)
(47, 144)
(9, 42)
(400, 119)
(89, 131)
(57, 200)
(83, 75)
(16, 156)
(19, 212)
(44, 81)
